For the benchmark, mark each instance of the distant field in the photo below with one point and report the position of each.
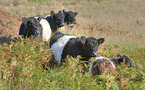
(122, 18)
(120, 22)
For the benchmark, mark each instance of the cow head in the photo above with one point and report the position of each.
(70, 17)
(125, 59)
(90, 45)
(32, 25)
(58, 18)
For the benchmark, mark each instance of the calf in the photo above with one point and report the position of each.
(70, 18)
(35, 27)
(100, 64)
(55, 20)
(63, 45)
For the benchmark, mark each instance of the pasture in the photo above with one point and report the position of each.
(120, 22)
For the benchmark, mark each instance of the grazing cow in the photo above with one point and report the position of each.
(55, 20)
(63, 45)
(100, 64)
(70, 18)
(35, 28)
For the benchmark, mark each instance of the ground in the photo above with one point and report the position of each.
(9, 26)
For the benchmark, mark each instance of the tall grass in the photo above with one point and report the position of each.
(22, 67)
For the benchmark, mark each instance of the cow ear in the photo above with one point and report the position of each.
(39, 17)
(83, 40)
(24, 20)
(75, 13)
(52, 13)
(119, 56)
(100, 41)
(64, 11)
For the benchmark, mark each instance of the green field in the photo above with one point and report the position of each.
(120, 22)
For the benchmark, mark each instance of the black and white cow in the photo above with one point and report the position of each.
(100, 64)
(35, 28)
(63, 45)
(55, 20)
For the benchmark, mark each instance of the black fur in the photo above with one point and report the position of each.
(86, 47)
(30, 28)
(55, 20)
(70, 17)
(22, 30)
(125, 59)
(55, 37)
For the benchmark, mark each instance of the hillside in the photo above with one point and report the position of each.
(9, 26)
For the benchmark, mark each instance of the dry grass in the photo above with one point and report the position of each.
(119, 22)
(123, 21)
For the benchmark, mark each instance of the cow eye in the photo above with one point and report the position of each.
(29, 24)
(88, 44)
(56, 18)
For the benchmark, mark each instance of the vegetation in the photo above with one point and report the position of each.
(30, 65)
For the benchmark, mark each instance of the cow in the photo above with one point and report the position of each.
(100, 64)
(35, 28)
(65, 44)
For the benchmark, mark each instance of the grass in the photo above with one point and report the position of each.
(120, 22)
(22, 68)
